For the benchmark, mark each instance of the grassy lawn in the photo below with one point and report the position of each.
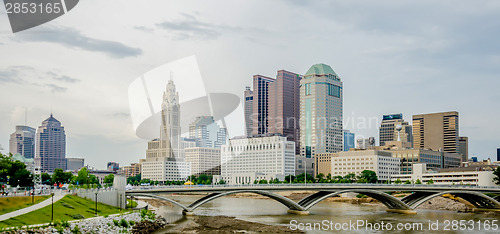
(68, 208)
(9, 204)
(131, 203)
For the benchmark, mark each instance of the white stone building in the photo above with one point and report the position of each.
(269, 155)
(420, 172)
(165, 169)
(203, 160)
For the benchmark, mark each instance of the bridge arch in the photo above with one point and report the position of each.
(160, 198)
(283, 200)
(388, 200)
(477, 199)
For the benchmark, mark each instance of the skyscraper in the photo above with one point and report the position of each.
(388, 130)
(320, 111)
(260, 104)
(207, 133)
(50, 145)
(349, 140)
(22, 141)
(170, 129)
(498, 154)
(463, 148)
(436, 131)
(284, 106)
(248, 111)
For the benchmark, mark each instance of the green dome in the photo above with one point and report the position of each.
(320, 69)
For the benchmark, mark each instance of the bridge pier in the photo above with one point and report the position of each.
(298, 212)
(401, 211)
(188, 213)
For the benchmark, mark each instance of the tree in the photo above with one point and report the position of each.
(46, 178)
(108, 180)
(13, 172)
(496, 179)
(398, 181)
(368, 176)
(61, 177)
(349, 178)
(319, 177)
(430, 181)
(408, 182)
(133, 179)
(289, 178)
(418, 181)
(222, 181)
(300, 178)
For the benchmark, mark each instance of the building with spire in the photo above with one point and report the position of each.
(165, 155)
(22, 141)
(320, 111)
(50, 145)
(388, 129)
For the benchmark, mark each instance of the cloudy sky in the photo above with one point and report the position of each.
(408, 57)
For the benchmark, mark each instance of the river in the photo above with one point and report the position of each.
(336, 216)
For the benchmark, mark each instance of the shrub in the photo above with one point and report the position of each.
(124, 223)
(67, 205)
(131, 222)
(78, 216)
(65, 223)
(76, 230)
(56, 223)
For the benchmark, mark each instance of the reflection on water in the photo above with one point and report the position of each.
(268, 211)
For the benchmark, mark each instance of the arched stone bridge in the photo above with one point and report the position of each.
(419, 194)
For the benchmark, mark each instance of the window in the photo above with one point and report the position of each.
(308, 89)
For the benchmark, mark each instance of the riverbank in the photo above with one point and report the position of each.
(222, 224)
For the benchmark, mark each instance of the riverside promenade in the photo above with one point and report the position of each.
(47, 202)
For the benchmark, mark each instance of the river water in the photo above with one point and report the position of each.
(336, 216)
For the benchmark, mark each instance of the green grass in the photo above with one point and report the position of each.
(68, 208)
(131, 203)
(9, 204)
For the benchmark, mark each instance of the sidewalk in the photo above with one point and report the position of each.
(32, 208)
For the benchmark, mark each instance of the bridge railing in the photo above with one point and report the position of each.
(353, 185)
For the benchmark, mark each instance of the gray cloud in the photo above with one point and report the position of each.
(143, 28)
(14, 74)
(121, 114)
(74, 39)
(191, 28)
(56, 88)
(63, 78)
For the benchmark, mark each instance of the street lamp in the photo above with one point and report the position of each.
(52, 215)
(32, 192)
(96, 204)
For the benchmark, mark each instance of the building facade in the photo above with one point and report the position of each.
(389, 132)
(248, 105)
(75, 164)
(203, 160)
(433, 159)
(207, 133)
(463, 148)
(420, 172)
(113, 166)
(260, 112)
(354, 162)
(22, 141)
(498, 154)
(270, 155)
(365, 143)
(165, 156)
(320, 111)
(437, 131)
(50, 145)
(349, 140)
(284, 106)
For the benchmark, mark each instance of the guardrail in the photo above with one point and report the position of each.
(354, 185)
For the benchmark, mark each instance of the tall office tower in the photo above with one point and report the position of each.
(74, 164)
(170, 129)
(320, 111)
(498, 154)
(248, 111)
(50, 145)
(437, 131)
(349, 140)
(388, 131)
(113, 166)
(260, 104)
(463, 148)
(22, 141)
(207, 133)
(365, 143)
(284, 106)
(165, 156)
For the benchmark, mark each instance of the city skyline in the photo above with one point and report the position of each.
(377, 59)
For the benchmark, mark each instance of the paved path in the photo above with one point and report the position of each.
(32, 208)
